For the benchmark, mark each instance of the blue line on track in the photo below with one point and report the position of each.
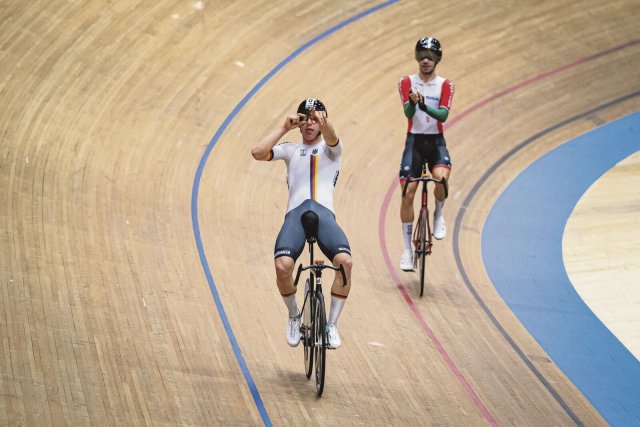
(522, 252)
(196, 188)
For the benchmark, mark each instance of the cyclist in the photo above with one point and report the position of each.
(312, 172)
(426, 98)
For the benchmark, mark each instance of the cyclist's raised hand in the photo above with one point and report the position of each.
(293, 121)
(328, 132)
(319, 116)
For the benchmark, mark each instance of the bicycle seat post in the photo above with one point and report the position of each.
(311, 242)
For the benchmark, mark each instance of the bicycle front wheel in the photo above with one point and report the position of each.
(422, 233)
(321, 341)
(308, 337)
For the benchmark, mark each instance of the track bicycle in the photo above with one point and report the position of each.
(422, 236)
(313, 329)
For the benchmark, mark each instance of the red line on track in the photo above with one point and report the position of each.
(416, 313)
(394, 185)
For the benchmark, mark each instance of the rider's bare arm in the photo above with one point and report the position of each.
(326, 128)
(262, 151)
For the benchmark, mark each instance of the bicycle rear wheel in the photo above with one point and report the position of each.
(308, 337)
(320, 341)
(422, 238)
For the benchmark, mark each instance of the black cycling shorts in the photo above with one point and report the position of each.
(291, 239)
(423, 148)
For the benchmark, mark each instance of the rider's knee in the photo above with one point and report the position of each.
(440, 172)
(284, 266)
(344, 259)
(407, 197)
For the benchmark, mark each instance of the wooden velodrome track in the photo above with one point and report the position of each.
(129, 194)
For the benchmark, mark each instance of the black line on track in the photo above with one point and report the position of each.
(456, 243)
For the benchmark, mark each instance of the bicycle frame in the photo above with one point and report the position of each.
(315, 274)
(422, 238)
(313, 327)
(423, 217)
(315, 278)
(425, 179)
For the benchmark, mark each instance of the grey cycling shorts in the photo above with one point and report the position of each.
(291, 239)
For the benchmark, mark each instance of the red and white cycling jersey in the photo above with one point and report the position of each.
(437, 93)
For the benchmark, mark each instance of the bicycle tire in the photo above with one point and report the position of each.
(417, 241)
(309, 337)
(320, 348)
(423, 247)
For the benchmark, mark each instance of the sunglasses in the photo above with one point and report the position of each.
(420, 55)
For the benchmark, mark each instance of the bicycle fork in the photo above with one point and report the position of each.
(315, 294)
(311, 296)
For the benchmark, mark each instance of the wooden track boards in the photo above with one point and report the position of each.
(106, 314)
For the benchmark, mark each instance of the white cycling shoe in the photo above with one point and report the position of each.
(439, 227)
(334, 336)
(406, 261)
(293, 331)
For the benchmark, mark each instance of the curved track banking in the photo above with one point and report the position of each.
(196, 185)
(534, 282)
(383, 213)
(111, 315)
(460, 218)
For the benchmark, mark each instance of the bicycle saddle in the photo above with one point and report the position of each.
(309, 221)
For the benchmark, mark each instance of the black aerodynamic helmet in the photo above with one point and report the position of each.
(311, 104)
(430, 44)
